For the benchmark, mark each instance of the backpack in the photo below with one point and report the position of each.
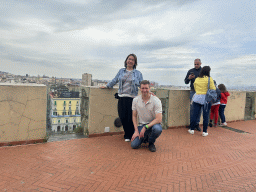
(210, 97)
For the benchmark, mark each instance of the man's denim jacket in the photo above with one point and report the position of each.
(136, 79)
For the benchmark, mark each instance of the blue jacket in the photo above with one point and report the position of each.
(136, 79)
(218, 94)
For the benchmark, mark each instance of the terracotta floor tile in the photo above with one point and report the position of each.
(224, 161)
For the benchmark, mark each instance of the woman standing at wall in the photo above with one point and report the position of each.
(129, 80)
(201, 87)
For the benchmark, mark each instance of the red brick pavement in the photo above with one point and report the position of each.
(222, 161)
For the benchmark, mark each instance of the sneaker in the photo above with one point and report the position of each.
(152, 147)
(204, 134)
(191, 131)
(127, 140)
(210, 124)
(223, 124)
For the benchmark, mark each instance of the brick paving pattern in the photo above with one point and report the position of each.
(223, 161)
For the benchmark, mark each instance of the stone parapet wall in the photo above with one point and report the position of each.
(99, 109)
(22, 113)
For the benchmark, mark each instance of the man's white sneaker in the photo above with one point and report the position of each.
(191, 131)
(127, 140)
(204, 134)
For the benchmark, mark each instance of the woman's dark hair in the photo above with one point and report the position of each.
(135, 61)
(222, 88)
(205, 71)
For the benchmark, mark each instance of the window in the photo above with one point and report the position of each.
(69, 102)
(55, 113)
(58, 121)
(64, 113)
(69, 113)
(64, 108)
(69, 108)
(66, 120)
(55, 102)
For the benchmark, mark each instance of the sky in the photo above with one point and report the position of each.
(66, 38)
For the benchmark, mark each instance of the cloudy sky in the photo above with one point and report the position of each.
(66, 38)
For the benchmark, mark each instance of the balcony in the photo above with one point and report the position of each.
(224, 160)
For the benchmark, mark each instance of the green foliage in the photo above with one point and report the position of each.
(79, 129)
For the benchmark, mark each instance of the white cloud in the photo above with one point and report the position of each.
(242, 61)
(70, 37)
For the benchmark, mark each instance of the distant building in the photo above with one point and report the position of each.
(87, 79)
(65, 111)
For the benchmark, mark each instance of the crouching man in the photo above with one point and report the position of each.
(148, 110)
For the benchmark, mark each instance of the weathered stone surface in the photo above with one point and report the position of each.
(38, 107)
(22, 111)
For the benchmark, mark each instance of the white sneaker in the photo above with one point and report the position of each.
(127, 140)
(191, 131)
(223, 124)
(204, 134)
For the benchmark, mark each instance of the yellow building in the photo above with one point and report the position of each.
(65, 113)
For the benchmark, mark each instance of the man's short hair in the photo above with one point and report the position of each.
(144, 82)
(198, 60)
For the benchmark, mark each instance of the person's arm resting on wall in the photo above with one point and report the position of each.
(114, 81)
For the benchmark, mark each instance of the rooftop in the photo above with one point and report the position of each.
(222, 161)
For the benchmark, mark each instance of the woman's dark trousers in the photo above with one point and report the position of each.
(125, 114)
(197, 112)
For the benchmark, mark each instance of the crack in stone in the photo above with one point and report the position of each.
(104, 116)
(11, 101)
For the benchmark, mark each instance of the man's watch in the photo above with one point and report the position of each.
(146, 126)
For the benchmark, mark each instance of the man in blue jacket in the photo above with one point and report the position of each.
(192, 74)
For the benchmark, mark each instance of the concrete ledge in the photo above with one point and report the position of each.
(105, 134)
(22, 142)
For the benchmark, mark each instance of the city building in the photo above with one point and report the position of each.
(65, 111)
(87, 79)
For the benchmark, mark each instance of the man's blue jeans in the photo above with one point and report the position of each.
(155, 133)
(196, 112)
(191, 109)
